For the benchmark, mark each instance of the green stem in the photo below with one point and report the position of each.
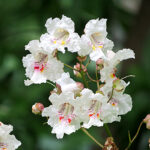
(88, 63)
(135, 136)
(84, 79)
(98, 86)
(83, 76)
(90, 77)
(107, 130)
(89, 135)
(68, 66)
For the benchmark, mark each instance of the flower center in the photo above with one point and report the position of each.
(61, 36)
(96, 39)
(3, 146)
(114, 102)
(95, 108)
(66, 113)
(41, 61)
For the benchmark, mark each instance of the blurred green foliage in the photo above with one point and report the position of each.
(22, 21)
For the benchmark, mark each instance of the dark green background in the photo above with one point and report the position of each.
(24, 20)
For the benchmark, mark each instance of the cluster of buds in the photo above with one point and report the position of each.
(78, 68)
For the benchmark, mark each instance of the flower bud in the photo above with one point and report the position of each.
(80, 85)
(81, 59)
(147, 121)
(55, 52)
(37, 108)
(99, 64)
(79, 68)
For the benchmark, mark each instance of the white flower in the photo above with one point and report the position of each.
(67, 84)
(121, 101)
(63, 116)
(7, 141)
(110, 113)
(91, 105)
(94, 41)
(60, 35)
(109, 69)
(40, 66)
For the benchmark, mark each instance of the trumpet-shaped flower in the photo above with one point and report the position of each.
(91, 105)
(68, 84)
(109, 69)
(40, 66)
(7, 141)
(94, 41)
(108, 72)
(60, 35)
(63, 115)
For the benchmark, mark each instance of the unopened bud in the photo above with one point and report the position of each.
(147, 118)
(99, 64)
(79, 67)
(37, 108)
(57, 90)
(55, 52)
(147, 121)
(81, 59)
(80, 85)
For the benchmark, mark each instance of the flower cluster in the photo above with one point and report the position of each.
(7, 141)
(72, 105)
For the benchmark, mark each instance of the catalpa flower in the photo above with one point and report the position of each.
(108, 72)
(118, 104)
(63, 114)
(7, 141)
(60, 35)
(91, 108)
(113, 59)
(94, 41)
(122, 101)
(67, 84)
(41, 66)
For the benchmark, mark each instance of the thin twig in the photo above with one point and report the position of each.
(70, 67)
(135, 136)
(88, 63)
(98, 86)
(83, 76)
(91, 77)
(89, 135)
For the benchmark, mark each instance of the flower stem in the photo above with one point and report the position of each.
(89, 135)
(91, 77)
(135, 136)
(68, 66)
(98, 86)
(84, 79)
(88, 63)
(83, 76)
(107, 130)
